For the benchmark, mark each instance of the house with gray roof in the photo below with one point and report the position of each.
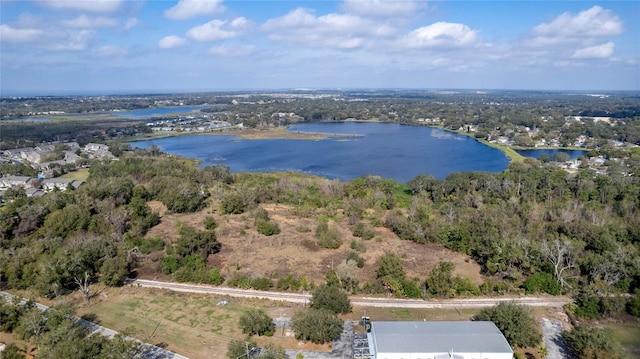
(60, 183)
(15, 181)
(437, 340)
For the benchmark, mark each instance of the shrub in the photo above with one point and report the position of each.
(170, 264)
(633, 306)
(262, 283)
(587, 306)
(590, 342)
(328, 237)
(288, 283)
(239, 281)
(234, 203)
(358, 246)
(541, 282)
(353, 256)
(363, 230)
(210, 223)
(267, 228)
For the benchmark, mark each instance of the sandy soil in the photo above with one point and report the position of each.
(245, 250)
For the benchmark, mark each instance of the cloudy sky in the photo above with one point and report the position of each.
(80, 46)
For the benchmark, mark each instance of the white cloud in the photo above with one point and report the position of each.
(83, 21)
(232, 50)
(109, 51)
(595, 52)
(380, 8)
(70, 41)
(170, 42)
(11, 34)
(217, 30)
(186, 9)
(84, 5)
(442, 35)
(342, 31)
(130, 23)
(587, 24)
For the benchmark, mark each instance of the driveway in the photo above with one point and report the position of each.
(553, 341)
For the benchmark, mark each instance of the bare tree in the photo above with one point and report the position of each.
(84, 285)
(562, 256)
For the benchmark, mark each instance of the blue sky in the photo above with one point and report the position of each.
(77, 46)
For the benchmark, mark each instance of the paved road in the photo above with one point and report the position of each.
(557, 302)
(552, 338)
(148, 351)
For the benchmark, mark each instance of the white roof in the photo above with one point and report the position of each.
(438, 337)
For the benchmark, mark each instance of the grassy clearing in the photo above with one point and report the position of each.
(508, 151)
(193, 325)
(629, 335)
(411, 314)
(79, 175)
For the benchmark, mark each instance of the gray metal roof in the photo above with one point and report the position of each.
(438, 337)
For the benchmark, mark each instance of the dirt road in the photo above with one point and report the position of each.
(483, 302)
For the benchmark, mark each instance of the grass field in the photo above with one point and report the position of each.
(80, 175)
(629, 336)
(195, 325)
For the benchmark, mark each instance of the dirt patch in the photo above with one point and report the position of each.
(292, 251)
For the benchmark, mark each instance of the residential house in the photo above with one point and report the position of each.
(15, 181)
(60, 183)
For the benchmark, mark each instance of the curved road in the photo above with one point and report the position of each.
(356, 300)
(147, 351)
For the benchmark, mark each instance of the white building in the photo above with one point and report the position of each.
(437, 340)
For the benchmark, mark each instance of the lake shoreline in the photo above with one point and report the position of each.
(284, 133)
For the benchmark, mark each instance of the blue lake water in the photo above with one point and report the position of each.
(573, 154)
(392, 151)
(149, 112)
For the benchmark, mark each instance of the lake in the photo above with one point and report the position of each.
(573, 154)
(158, 111)
(394, 151)
(140, 114)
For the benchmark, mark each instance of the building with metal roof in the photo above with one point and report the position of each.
(437, 340)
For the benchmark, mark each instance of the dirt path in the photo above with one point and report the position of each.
(484, 302)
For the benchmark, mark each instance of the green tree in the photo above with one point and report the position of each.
(238, 348)
(541, 282)
(515, 321)
(330, 297)
(591, 342)
(255, 321)
(316, 325)
(440, 280)
(114, 270)
(193, 241)
(390, 265)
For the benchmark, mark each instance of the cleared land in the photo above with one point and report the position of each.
(293, 250)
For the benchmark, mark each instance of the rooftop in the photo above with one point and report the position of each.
(438, 337)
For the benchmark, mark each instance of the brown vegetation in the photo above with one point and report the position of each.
(293, 250)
